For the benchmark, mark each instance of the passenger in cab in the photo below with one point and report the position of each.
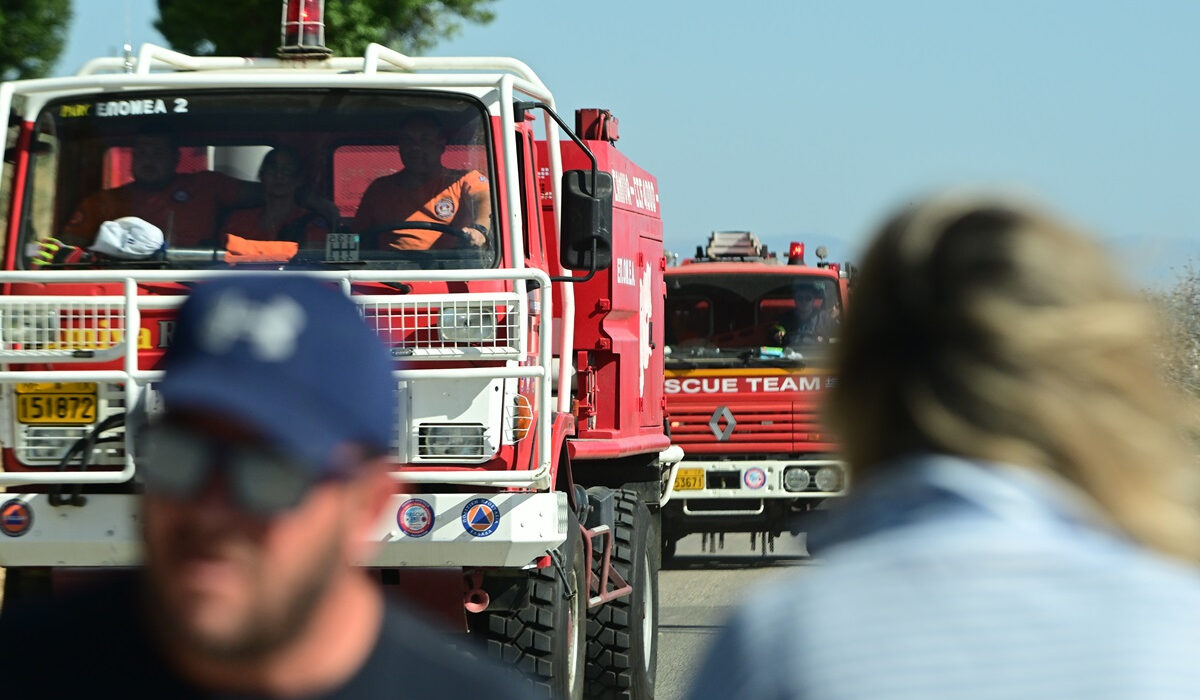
(287, 213)
(426, 191)
(184, 205)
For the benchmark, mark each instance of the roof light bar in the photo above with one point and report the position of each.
(302, 34)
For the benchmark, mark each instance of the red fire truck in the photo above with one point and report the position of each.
(530, 450)
(748, 349)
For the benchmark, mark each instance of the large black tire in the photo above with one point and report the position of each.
(545, 639)
(623, 634)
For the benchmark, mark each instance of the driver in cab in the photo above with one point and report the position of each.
(457, 202)
(808, 322)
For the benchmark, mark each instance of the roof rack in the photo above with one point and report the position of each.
(733, 245)
(376, 58)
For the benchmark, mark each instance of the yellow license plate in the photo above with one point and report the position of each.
(57, 403)
(689, 479)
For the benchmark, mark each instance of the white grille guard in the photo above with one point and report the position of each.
(128, 306)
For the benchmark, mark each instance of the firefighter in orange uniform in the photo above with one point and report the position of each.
(427, 191)
(183, 205)
(288, 212)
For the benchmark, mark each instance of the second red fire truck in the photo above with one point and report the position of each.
(747, 366)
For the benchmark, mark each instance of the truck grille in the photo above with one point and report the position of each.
(767, 426)
(427, 326)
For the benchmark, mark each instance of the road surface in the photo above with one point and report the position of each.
(701, 589)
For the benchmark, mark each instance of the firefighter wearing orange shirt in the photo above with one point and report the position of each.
(426, 191)
(183, 205)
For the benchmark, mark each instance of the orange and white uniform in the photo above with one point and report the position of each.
(185, 210)
(446, 199)
(247, 223)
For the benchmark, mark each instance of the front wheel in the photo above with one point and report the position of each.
(545, 639)
(623, 634)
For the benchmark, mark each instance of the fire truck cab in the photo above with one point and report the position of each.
(531, 443)
(747, 365)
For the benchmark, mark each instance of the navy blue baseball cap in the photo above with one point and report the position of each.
(288, 356)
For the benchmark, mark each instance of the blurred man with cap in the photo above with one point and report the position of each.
(263, 480)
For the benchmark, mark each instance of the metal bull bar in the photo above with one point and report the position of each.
(23, 340)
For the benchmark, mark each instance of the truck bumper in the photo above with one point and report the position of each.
(429, 530)
(757, 480)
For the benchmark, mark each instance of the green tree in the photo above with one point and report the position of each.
(32, 34)
(251, 27)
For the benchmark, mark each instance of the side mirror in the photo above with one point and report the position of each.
(587, 213)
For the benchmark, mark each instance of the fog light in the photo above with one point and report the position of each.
(795, 479)
(829, 479)
(32, 327)
(464, 324)
(457, 441)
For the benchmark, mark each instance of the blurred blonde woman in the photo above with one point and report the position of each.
(1024, 519)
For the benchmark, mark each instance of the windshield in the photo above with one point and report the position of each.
(749, 319)
(318, 177)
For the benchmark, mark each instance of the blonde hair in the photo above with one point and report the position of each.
(990, 329)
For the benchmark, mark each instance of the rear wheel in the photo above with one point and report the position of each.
(623, 634)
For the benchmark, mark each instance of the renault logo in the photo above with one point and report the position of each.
(714, 423)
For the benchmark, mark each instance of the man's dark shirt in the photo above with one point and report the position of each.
(817, 328)
(95, 645)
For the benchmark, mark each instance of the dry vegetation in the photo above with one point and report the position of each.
(1180, 352)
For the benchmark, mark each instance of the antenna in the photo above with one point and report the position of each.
(128, 46)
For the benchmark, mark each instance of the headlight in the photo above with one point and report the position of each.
(467, 323)
(29, 326)
(795, 479)
(829, 479)
(463, 440)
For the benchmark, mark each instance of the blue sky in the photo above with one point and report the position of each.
(811, 120)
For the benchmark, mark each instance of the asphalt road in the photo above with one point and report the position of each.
(700, 590)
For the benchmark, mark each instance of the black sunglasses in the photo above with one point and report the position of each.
(179, 462)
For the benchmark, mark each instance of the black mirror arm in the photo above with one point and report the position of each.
(591, 270)
(521, 107)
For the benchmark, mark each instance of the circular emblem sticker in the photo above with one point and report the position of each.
(480, 517)
(181, 196)
(15, 517)
(444, 208)
(415, 517)
(755, 478)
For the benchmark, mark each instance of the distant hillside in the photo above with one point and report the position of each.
(1148, 262)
